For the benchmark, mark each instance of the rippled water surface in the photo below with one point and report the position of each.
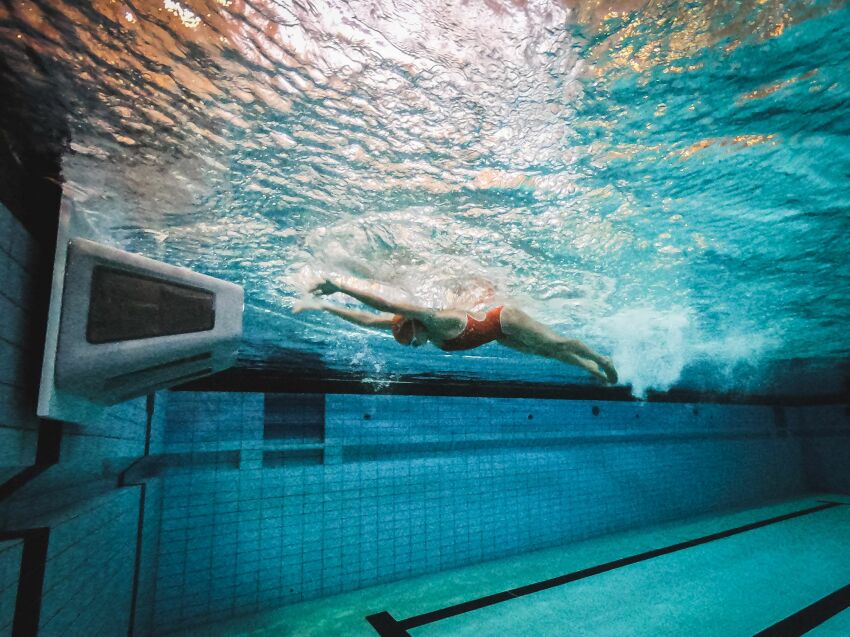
(666, 180)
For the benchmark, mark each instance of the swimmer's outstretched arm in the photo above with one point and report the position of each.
(364, 319)
(373, 300)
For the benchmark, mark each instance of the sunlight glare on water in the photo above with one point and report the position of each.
(665, 180)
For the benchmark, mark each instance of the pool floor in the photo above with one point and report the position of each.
(782, 569)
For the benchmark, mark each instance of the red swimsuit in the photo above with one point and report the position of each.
(476, 332)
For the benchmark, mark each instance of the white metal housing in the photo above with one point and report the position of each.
(129, 325)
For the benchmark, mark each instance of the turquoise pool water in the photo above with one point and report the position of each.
(666, 181)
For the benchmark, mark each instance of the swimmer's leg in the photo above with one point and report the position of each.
(523, 333)
(557, 354)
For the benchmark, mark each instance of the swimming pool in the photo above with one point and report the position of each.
(665, 181)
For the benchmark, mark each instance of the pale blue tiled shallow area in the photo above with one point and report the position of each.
(732, 586)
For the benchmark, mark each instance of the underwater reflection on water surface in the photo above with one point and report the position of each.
(664, 180)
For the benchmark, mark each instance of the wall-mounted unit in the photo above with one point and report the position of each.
(122, 325)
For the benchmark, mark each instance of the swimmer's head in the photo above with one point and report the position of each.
(409, 331)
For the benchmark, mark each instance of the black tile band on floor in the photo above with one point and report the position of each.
(811, 616)
(387, 626)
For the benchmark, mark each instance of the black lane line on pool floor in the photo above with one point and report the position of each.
(387, 626)
(810, 617)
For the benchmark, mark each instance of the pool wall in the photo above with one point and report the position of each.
(19, 429)
(394, 486)
(68, 531)
(194, 507)
(825, 433)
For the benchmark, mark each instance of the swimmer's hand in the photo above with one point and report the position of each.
(306, 305)
(324, 287)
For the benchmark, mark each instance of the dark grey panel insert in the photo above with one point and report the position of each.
(295, 417)
(126, 306)
(293, 458)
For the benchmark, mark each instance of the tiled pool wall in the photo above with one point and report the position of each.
(64, 526)
(825, 434)
(397, 486)
(248, 501)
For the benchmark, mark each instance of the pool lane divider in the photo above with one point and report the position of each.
(387, 626)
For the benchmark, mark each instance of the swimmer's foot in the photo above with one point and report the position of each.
(608, 367)
(595, 369)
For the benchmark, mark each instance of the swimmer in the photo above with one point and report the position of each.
(454, 330)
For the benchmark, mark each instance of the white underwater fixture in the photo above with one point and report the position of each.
(122, 325)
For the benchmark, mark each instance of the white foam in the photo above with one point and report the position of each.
(648, 346)
(652, 347)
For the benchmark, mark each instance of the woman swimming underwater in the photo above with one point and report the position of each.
(453, 330)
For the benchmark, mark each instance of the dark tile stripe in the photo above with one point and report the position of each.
(48, 447)
(386, 626)
(150, 405)
(30, 579)
(805, 620)
(314, 378)
(140, 529)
